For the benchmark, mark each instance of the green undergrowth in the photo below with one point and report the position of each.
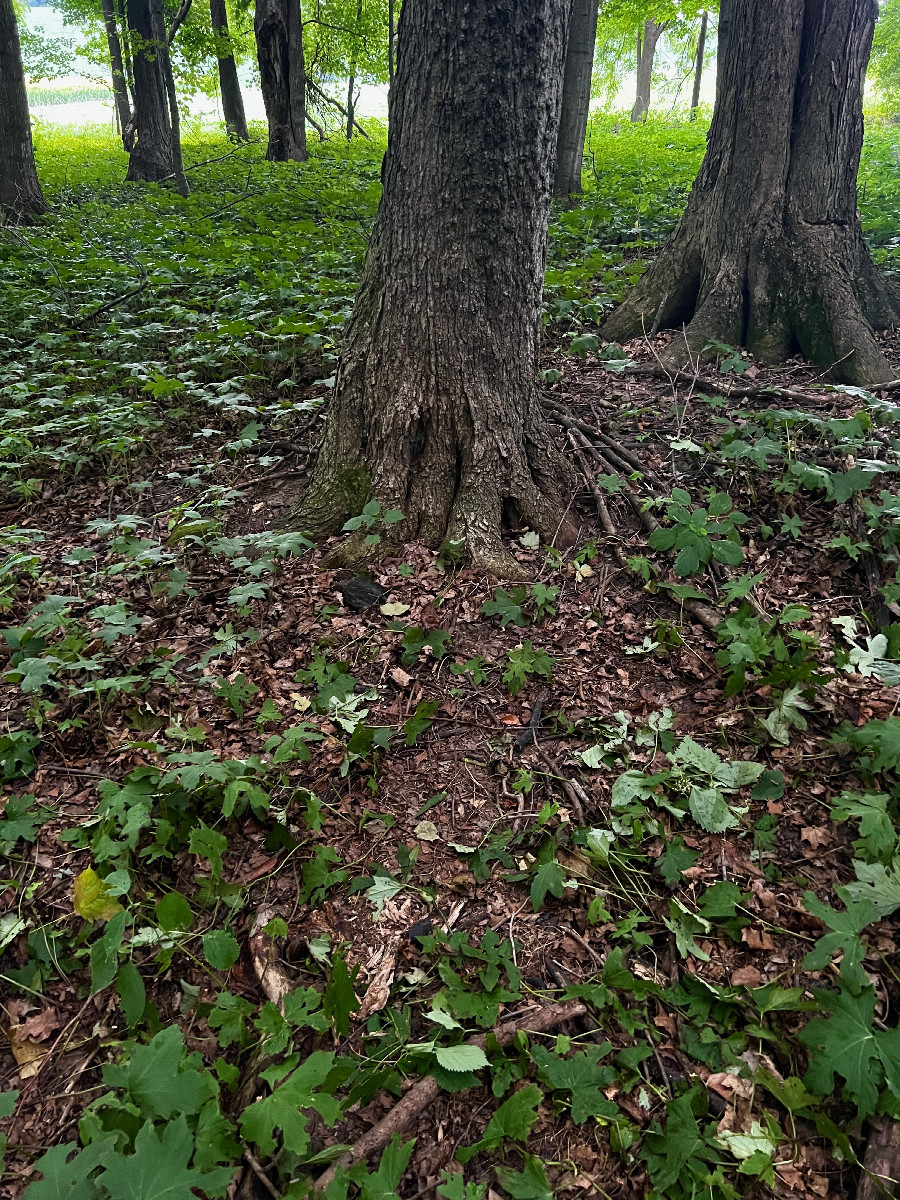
(134, 638)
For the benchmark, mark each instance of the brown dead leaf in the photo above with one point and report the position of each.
(746, 977)
(27, 1052)
(757, 939)
(400, 677)
(815, 835)
(726, 1085)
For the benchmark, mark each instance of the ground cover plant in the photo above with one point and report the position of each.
(597, 873)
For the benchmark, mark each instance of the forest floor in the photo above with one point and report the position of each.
(270, 860)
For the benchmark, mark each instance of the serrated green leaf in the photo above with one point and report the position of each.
(514, 1119)
(158, 1169)
(282, 1110)
(461, 1058)
(221, 949)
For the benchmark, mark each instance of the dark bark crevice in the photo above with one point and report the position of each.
(769, 252)
(278, 26)
(436, 408)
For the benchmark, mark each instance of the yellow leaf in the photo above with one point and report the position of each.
(92, 899)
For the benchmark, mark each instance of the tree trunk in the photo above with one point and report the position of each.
(122, 21)
(151, 158)
(120, 87)
(229, 84)
(646, 55)
(162, 40)
(351, 85)
(390, 46)
(20, 192)
(698, 70)
(769, 253)
(282, 75)
(576, 99)
(436, 409)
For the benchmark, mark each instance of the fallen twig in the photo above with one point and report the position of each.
(426, 1091)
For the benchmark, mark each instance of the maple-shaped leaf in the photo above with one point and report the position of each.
(158, 1169)
(283, 1109)
(160, 1080)
(548, 877)
(844, 937)
(675, 860)
(669, 1152)
(513, 1119)
(530, 1184)
(878, 885)
(69, 1179)
(581, 1076)
(881, 739)
(847, 1044)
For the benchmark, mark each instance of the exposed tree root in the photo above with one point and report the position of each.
(426, 1091)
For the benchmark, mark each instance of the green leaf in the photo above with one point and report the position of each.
(514, 1119)
(158, 1169)
(844, 937)
(209, 844)
(530, 1184)
(8, 1102)
(847, 1044)
(548, 877)
(454, 1187)
(675, 860)
(160, 1080)
(221, 949)
(339, 999)
(68, 1178)
(461, 1058)
(728, 552)
(687, 561)
(174, 913)
(282, 1110)
(878, 885)
(132, 993)
(709, 810)
(669, 1151)
(582, 1077)
(105, 953)
(422, 719)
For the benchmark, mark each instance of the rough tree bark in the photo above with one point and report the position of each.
(576, 99)
(282, 74)
(436, 408)
(150, 159)
(698, 69)
(20, 192)
(163, 40)
(769, 253)
(229, 84)
(646, 56)
(120, 86)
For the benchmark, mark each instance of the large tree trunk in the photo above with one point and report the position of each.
(576, 99)
(646, 57)
(20, 192)
(698, 66)
(162, 40)
(229, 84)
(436, 409)
(282, 74)
(769, 253)
(120, 86)
(151, 159)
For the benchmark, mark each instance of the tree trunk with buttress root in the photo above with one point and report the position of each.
(769, 253)
(151, 160)
(282, 75)
(229, 84)
(576, 99)
(436, 409)
(20, 192)
(646, 57)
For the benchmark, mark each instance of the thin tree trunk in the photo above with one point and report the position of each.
(698, 70)
(120, 87)
(151, 159)
(646, 56)
(769, 253)
(351, 86)
(436, 409)
(576, 100)
(279, 47)
(20, 191)
(158, 23)
(391, 28)
(229, 84)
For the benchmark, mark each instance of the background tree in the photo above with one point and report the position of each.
(117, 66)
(229, 84)
(282, 74)
(769, 252)
(436, 409)
(20, 191)
(576, 96)
(647, 40)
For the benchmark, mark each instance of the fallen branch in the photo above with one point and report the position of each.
(426, 1091)
(880, 1176)
(335, 104)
